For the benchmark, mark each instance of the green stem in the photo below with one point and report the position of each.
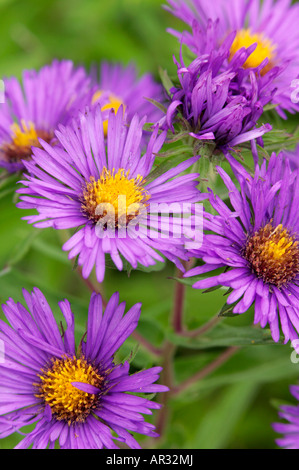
(146, 344)
(178, 308)
(203, 329)
(166, 379)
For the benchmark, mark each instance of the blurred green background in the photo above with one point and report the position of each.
(233, 407)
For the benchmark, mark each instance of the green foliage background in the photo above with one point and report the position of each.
(233, 407)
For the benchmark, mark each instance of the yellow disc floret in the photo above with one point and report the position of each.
(273, 254)
(115, 196)
(114, 102)
(265, 49)
(67, 402)
(24, 136)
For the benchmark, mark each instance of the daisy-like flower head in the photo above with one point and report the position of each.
(33, 109)
(257, 242)
(76, 397)
(108, 194)
(270, 28)
(218, 106)
(118, 86)
(289, 430)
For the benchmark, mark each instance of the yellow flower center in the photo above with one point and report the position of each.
(273, 254)
(23, 138)
(114, 102)
(265, 49)
(24, 135)
(115, 196)
(67, 402)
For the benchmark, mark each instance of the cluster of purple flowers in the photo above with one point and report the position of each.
(266, 29)
(79, 138)
(245, 57)
(219, 105)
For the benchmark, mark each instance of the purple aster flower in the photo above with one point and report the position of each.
(218, 106)
(75, 397)
(270, 28)
(118, 86)
(256, 241)
(34, 108)
(290, 430)
(293, 157)
(111, 199)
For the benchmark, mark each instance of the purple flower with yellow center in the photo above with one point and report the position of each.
(290, 429)
(217, 106)
(109, 195)
(33, 109)
(256, 241)
(118, 86)
(268, 28)
(76, 397)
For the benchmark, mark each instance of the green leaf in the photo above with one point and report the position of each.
(131, 356)
(277, 403)
(224, 335)
(157, 105)
(9, 179)
(270, 107)
(6, 192)
(265, 373)
(227, 310)
(158, 266)
(278, 140)
(166, 165)
(19, 251)
(219, 422)
(166, 81)
(52, 251)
